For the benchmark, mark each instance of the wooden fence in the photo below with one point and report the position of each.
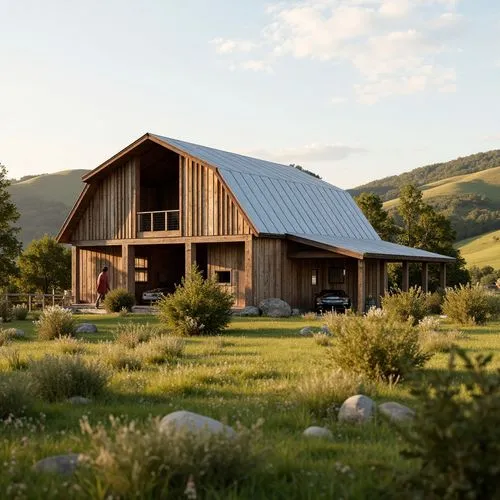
(39, 300)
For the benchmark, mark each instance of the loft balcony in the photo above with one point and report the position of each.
(158, 223)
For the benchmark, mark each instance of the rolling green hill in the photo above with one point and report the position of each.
(482, 250)
(44, 202)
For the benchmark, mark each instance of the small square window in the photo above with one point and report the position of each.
(314, 277)
(223, 277)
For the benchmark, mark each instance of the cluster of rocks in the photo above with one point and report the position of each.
(309, 331)
(272, 308)
(86, 328)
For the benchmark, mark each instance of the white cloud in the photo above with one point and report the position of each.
(338, 100)
(395, 45)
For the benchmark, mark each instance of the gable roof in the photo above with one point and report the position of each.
(279, 199)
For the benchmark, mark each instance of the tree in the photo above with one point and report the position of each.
(302, 169)
(372, 207)
(45, 264)
(9, 244)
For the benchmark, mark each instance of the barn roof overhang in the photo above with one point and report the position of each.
(369, 249)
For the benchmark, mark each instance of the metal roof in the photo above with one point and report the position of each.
(279, 199)
(370, 248)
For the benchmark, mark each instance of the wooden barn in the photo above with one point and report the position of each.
(261, 229)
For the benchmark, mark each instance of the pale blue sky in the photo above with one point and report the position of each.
(352, 89)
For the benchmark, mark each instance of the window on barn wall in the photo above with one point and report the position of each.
(141, 269)
(336, 275)
(314, 277)
(223, 277)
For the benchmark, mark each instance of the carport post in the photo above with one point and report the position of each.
(361, 286)
(425, 277)
(406, 277)
(442, 276)
(189, 257)
(128, 267)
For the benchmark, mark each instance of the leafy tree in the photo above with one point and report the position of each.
(371, 205)
(45, 264)
(302, 169)
(9, 244)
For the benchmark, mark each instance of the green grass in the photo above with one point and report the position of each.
(251, 373)
(483, 250)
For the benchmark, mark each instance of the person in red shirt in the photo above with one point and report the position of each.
(102, 286)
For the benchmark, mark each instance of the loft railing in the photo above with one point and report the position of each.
(163, 220)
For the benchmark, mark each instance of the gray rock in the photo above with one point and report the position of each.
(396, 412)
(325, 329)
(318, 432)
(195, 423)
(306, 331)
(357, 409)
(249, 311)
(79, 400)
(64, 465)
(19, 334)
(275, 308)
(295, 312)
(86, 328)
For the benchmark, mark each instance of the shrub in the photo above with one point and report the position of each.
(54, 322)
(132, 334)
(197, 307)
(162, 349)
(120, 358)
(468, 304)
(335, 321)
(322, 339)
(456, 434)
(119, 299)
(429, 324)
(14, 360)
(5, 311)
(123, 312)
(6, 335)
(134, 461)
(402, 306)
(309, 315)
(20, 312)
(322, 393)
(15, 397)
(434, 302)
(378, 348)
(60, 377)
(70, 345)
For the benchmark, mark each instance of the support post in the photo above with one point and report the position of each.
(361, 286)
(128, 267)
(405, 285)
(75, 274)
(189, 257)
(249, 272)
(425, 277)
(442, 276)
(378, 280)
(384, 278)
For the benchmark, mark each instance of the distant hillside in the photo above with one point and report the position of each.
(388, 187)
(482, 250)
(44, 201)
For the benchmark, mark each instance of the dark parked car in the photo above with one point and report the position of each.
(332, 300)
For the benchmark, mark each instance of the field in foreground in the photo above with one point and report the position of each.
(254, 372)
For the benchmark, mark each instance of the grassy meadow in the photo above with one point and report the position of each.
(483, 250)
(259, 369)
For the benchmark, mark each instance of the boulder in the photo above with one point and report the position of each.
(195, 423)
(86, 328)
(249, 311)
(295, 312)
(357, 409)
(318, 432)
(306, 331)
(19, 334)
(396, 412)
(79, 400)
(64, 465)
(275, 308)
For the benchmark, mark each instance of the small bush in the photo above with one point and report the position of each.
(429, 324)
(403, 306)
(54, 322)
(456, 434)
(5, 311)
(434, 302)
(322, 339)
(378, 348)
(132, 334)
(197, 307)
(309, 315)
(60, 377)
(469, 304)
(134, 461)
(120, 357)
(335, 321)
(70, 345)
(119, 299)
(123, 312)
(14, 360)
(20, 312)
(162, 349)
(15, 397)
(6, 335)
(322, 393)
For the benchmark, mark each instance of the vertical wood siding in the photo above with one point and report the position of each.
(91, 262)
(110, 213)
(207, 207)
(229, 257)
